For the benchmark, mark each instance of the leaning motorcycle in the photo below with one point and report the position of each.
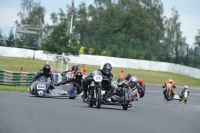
(96, 93)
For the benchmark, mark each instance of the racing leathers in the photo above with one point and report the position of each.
(108, 90)
(42, 73)
(165, 86)
(76, 79)
(182, 93)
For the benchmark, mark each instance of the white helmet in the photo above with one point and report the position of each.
(133, 81)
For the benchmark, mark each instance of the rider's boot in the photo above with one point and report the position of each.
(107, 96)
(79, 90)
(85, 95)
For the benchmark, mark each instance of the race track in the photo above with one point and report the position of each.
(23, 113)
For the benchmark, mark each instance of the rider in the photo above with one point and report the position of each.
(141, 83)
(133, 82)
(106, 73)
(169, 81)
(74, 69)
(45, 71)
(125, 79)
(76, 78)
(184, 89)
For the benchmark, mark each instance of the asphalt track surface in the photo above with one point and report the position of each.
(23, 113)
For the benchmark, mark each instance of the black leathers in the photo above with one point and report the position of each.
(74, 81)
(41, 73)
(88, 80)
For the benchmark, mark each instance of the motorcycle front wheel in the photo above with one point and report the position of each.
(91, 103)
(98, 97)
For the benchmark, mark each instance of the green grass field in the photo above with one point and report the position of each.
(151, 77)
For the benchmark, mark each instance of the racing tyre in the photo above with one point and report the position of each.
(91, 103)
(98, 96)
(141, 92)
(72, 97)
(125, 107)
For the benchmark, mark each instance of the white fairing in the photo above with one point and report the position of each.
(185, 94)
(97, 78)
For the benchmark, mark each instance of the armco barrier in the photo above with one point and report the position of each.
(21, 79)
(15, 78)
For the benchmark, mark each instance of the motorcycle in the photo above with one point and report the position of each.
(172, 95)
(169, 92)
(97, 92)
(40, 86)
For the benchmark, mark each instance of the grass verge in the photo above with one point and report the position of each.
(151, 77)
(13, 88)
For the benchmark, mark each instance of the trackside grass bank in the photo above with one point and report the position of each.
(151, 77)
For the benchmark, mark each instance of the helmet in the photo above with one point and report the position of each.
(170, 80)
(107, 68)
(119, 80)
(185, 87)
(128, 76)
(140, 81)
(133, 81)
(46, 68)
(74, 68)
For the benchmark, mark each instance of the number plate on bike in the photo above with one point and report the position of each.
(97, 78)
(69, 75)
(41, 87)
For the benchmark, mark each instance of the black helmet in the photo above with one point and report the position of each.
(128, 76)
(119, 80)
(107, 68)
(46, 68)
(74, 68)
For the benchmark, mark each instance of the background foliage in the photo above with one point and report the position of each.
(134, 29)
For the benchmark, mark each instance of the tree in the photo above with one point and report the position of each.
(197, 38)
(175, 43)
(2, 39)
(32, 14)
(10, 40)
(59, 41)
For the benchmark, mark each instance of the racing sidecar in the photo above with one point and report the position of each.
(40, 86)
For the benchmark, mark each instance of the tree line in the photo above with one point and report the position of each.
(135, 29)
